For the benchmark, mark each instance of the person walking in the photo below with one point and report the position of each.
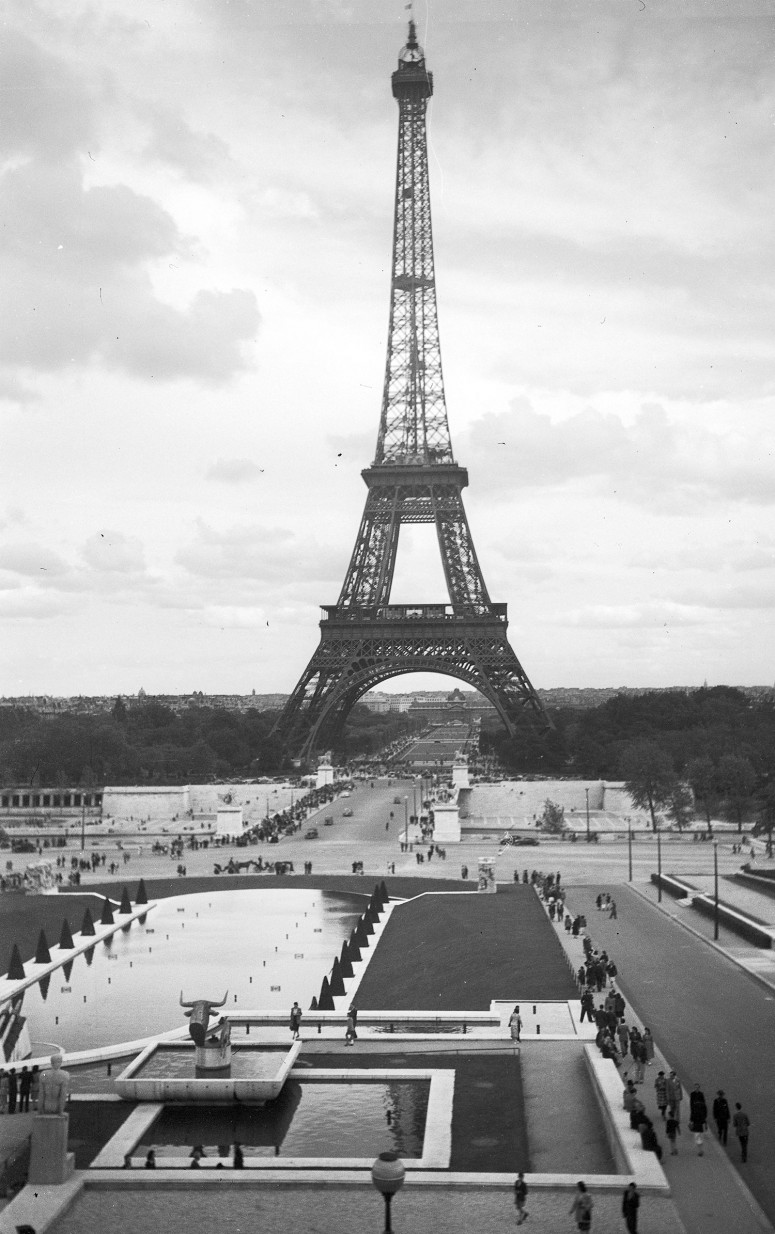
(350, 1033)
(630, 1206)
(648, 1042)
(295, 1021)
(582, 1206)
(742, 1125)
(675, 1094)
(721, 1115)
(623, 1037)
(520, 1198)
(672, 1131)
(660, 1089)
(698, 1117)
(638, 1051)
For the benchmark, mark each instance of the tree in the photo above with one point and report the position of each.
(703, 777)
(765, 821)
(552, 821)
(681, 805)
(737, 780)
(648, 777)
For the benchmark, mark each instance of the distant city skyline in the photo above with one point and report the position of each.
(196, 255)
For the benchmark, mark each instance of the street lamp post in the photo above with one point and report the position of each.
(659, 866)
(586, 790)
(406, 823)
(629, 850)
(715, 889)
(387, 1175)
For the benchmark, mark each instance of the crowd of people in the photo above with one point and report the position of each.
(631, 1048)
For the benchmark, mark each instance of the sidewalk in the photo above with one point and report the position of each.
(757, 961)
(708, 1192)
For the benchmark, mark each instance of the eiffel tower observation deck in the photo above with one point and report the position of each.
(414, 478)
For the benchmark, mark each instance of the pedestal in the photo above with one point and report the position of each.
(50, 1162)
(446, 822)
(213, 1056)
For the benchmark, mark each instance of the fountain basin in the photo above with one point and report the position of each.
(167, 1072)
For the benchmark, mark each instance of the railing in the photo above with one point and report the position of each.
(413, 612)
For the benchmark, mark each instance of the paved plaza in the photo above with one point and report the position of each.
(711, 1007)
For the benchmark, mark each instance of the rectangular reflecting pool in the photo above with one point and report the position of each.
(325, 1119)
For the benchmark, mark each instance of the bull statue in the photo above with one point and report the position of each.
(199, 1014)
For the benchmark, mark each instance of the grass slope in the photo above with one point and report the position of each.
(458, 952)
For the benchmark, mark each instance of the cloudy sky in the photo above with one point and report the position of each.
(196, 229)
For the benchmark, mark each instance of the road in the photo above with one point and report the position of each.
(713, 1022)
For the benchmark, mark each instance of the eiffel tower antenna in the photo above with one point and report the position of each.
(414, 479)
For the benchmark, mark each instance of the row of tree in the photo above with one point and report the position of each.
(681, 753)
(149, 743)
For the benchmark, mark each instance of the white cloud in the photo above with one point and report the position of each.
(234, 470)
(113, 552)
(654, 458)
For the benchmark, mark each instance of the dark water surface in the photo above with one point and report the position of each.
(332, 1118)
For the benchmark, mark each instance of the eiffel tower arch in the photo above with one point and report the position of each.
(364, 639)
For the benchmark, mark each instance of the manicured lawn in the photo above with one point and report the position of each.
(458, 952)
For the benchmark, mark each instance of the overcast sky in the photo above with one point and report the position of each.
(196, 226)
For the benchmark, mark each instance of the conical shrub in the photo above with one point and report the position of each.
(125, 906)
(142, 895)
(345, 964)
(336, 985)
(325, 1002)
(87, 925)
(16, 968)
(42, 953)
(107, 913)
(66, 937)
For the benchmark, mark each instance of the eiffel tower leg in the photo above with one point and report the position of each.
(355, 656)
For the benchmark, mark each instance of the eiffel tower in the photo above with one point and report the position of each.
(414, 479)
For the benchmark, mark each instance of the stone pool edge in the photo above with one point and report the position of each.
(437, 1140)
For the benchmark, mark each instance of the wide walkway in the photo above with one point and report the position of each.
(715, 1025)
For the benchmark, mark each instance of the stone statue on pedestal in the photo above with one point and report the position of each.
(54, 1088)
(50, 1162)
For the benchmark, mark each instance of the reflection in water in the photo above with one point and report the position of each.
(308, 1119)
(267, 947)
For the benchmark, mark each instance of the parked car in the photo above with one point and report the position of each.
(312, 834)
(396, 801)
(347, 813)
(328, 821)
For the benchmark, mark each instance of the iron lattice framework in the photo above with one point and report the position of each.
(414, 479)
